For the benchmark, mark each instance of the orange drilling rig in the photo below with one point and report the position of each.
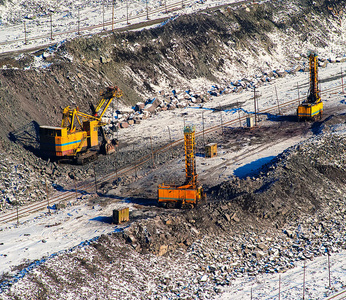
(190, 193)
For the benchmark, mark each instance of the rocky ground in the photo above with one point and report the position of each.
(292, 210)
(165, 67)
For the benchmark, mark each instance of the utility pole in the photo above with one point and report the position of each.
(25, 41)
(304, 281)
(203, 128)
(254, 98)
(78, 22)
(328, 254)
(75, 185)
(95, 180)
(152, 152)
(134, 159)
(279, 285)
(113, 15)
(239, 113)
(51, 26)
(146, 6)
(127, 12)
(342, 82)
(103, 14)
(170, 139)
(277, 100)
(221, 119)
(17, 216)
(47, 195)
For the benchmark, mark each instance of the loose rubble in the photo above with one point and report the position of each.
(193, 254)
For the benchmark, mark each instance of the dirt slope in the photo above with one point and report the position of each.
(219, 45)
(294, 210)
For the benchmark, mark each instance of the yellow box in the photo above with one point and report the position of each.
(121, 215)
(211, 150)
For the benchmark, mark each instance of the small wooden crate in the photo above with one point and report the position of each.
(121, 215)
(211, 150)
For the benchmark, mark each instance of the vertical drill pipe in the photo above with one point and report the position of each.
(190, 159)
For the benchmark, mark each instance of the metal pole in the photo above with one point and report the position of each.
(279, 285)
(146, 5)
(203, 128)
(298, 93)
(239, 113)
(277, 101)
(47, 195)
(304, 282)
(254, 98)
(78, 22)
(221, 120)
(75, 185)
(329, 267)
(342, 82)
(95, 180)
(113, 15)
(17, 216)
(116, 164)
(170, 139)
(127, 12)
(51, 26)
(134, 160)
(103, 15)
(152, 152)
(25, 41)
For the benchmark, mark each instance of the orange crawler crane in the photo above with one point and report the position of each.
(190, 193)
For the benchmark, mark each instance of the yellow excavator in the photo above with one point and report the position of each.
(312, 107)
(190, 193)
(77, 138)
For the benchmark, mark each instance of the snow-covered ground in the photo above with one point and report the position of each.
(35, 22)
(40, 235)
(266, 286)
(159, 125)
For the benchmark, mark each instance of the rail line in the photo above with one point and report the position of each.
(88, 187)
(168, 8)
(339, 296)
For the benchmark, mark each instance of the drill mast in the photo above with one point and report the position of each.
(314, 95)
(190, 159)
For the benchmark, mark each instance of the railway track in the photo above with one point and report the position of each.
(338, 296)
(88, 187)
(168, 8)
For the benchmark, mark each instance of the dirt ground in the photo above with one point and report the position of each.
(301, 183)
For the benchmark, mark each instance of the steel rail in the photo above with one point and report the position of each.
(89, 185)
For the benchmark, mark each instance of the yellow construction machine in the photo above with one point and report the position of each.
(77, 138)
(312, 107)
(190, 193)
